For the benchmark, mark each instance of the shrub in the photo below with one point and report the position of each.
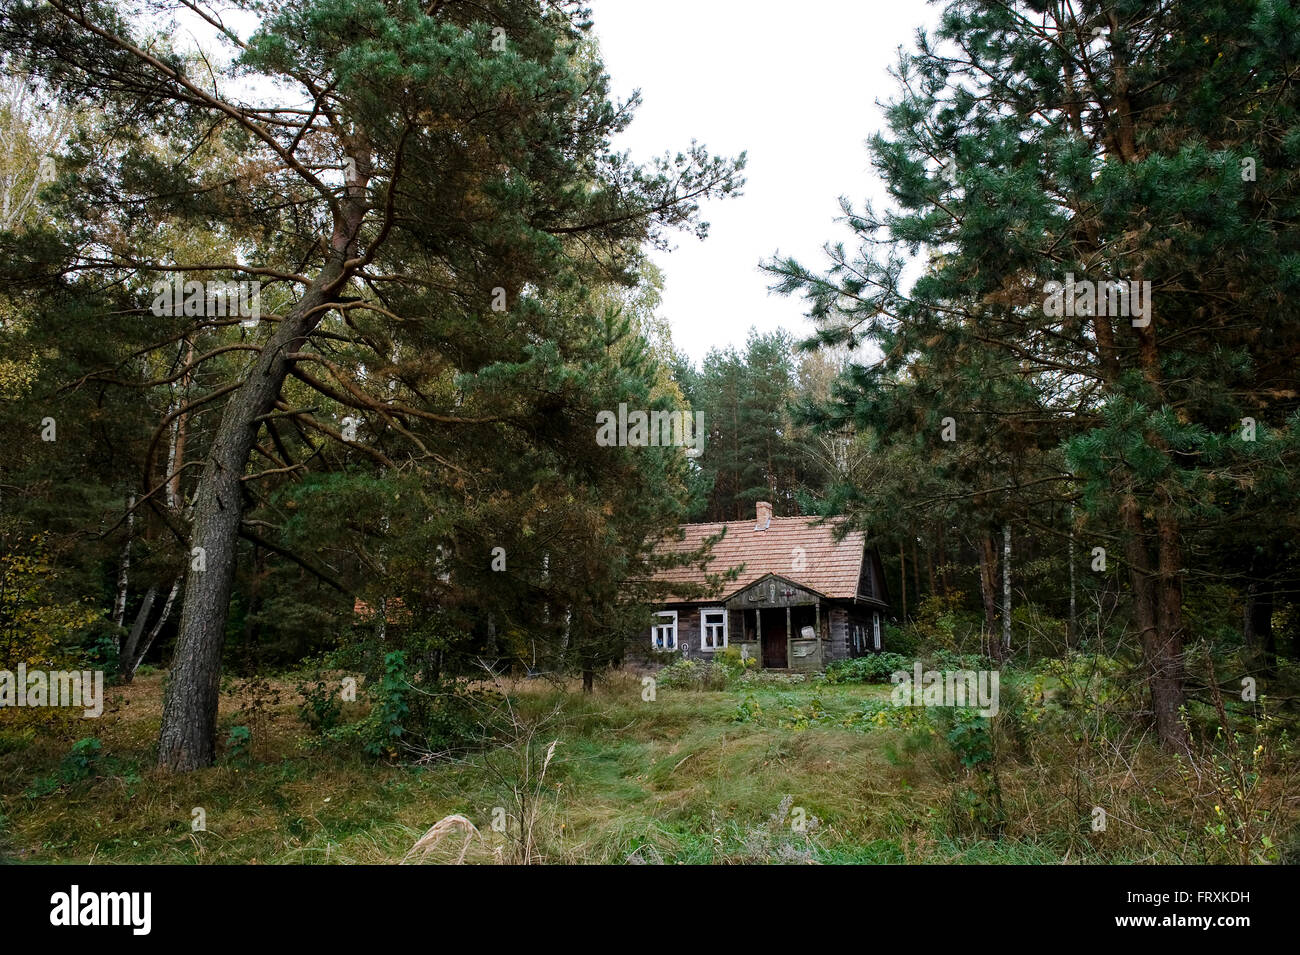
(747, 710)
(16, 740)
(695, 675)
(943, 659)
(322, 707)
(82, 762)
(432, 719)
(384, 727)
(239, 744)
(884, 713)
(875, 668)
(730, 659)
(941, 622)
(901, 639)
(83, 759)
(968, 735)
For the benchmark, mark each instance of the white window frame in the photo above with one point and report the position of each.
(704, 628)
(875, 629)
(654, 644)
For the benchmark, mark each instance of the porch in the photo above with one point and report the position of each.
(780, 624)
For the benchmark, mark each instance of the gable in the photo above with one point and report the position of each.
(772, 591)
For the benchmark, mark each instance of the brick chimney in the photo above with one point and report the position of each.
(764, 520)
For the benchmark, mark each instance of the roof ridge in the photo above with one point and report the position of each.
(750, 520)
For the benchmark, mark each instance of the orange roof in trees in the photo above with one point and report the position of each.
(797, 548)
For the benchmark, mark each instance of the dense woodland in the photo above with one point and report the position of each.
(390, 470)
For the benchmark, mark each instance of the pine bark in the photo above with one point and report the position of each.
(1157, 611)
(188, 736)
(1006, 590)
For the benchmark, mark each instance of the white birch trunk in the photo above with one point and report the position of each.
(124, 566)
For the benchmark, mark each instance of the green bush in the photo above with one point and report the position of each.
(695, 675)
(968, 734)
(239, 745)
(901, 639)
(385, 725)
(943, 659)
(875, 668)
(420, 720)
(747, 710)
(731, 660)
(322, 707)
(82, 762)
(941, 621)
(16, 740)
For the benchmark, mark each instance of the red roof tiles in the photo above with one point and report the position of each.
(797, 548)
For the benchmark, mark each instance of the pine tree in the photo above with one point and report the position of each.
(1035, 143)
(451, 171)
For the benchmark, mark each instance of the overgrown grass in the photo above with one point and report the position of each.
(757, 772)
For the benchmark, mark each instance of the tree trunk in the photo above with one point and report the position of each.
(988, 574)
(176, 453)
(902, 578)
(128, 650)
(1006, 591)
(943, 560)
(929, 569)
(187, 739)
(1158, 613)
(129, 663)
(124, 567)
(916, 575)
(1070, 625)
(1170, 676)
(1257, 626)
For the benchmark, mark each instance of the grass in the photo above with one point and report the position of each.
(748, 774)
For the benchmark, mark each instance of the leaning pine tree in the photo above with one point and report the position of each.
(402, 177)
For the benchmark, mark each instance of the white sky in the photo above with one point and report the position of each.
(795, 85)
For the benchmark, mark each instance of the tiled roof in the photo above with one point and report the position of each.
(396, 610)
(830, 567)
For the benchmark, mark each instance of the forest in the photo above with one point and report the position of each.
(305, 329)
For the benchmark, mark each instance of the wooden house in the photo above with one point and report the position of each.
(803, 598)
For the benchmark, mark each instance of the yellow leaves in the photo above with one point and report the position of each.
(33, 623)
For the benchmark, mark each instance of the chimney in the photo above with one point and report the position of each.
(764, 516)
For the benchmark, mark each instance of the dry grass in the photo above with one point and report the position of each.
(440, 830)
(606, 777)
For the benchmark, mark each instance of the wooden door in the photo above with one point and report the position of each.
(774, 639)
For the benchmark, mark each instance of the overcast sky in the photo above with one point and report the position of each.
(794, 85)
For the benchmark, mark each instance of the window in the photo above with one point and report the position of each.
(663, 635)
(713, 628)
(875, 628)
